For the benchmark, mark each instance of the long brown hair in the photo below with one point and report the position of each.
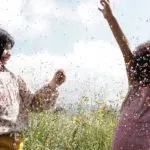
(140, 65)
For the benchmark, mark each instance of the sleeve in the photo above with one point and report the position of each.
(42, 99)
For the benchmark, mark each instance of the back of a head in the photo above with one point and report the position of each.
(140, 70)
(5, 39)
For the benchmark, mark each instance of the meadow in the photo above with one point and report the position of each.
(85, 130)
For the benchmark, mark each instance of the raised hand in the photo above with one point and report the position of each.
(107, 12)
(59, 77)
(118, 34)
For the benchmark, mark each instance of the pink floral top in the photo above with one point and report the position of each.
(16, 101)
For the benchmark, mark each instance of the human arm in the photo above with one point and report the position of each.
(44, 98)
(118, 34)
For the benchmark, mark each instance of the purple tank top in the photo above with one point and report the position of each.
(133, 129)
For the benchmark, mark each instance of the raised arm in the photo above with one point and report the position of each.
(118, 34)
(44, 98)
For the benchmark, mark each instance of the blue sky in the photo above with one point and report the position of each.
(73, 35)
(66, 22)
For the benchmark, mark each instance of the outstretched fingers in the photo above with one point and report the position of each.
(104, 2)
(106, 10)
(100, 9)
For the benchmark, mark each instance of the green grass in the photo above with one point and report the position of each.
(88, 130)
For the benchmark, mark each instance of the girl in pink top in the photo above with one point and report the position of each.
(16, 100)
(133, 129)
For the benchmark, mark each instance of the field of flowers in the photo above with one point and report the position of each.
(86, 130)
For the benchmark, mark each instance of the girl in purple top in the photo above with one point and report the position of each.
(133, 129)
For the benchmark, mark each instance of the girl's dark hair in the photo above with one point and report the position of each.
(5, 39)
(140, 65)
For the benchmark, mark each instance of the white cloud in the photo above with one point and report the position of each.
(43, 7)
(28, 17)
(10, 12)
(91, 67)
(88, 13)
(34, 18)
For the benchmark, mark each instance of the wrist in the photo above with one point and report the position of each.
(109, 16)
(52, 85)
